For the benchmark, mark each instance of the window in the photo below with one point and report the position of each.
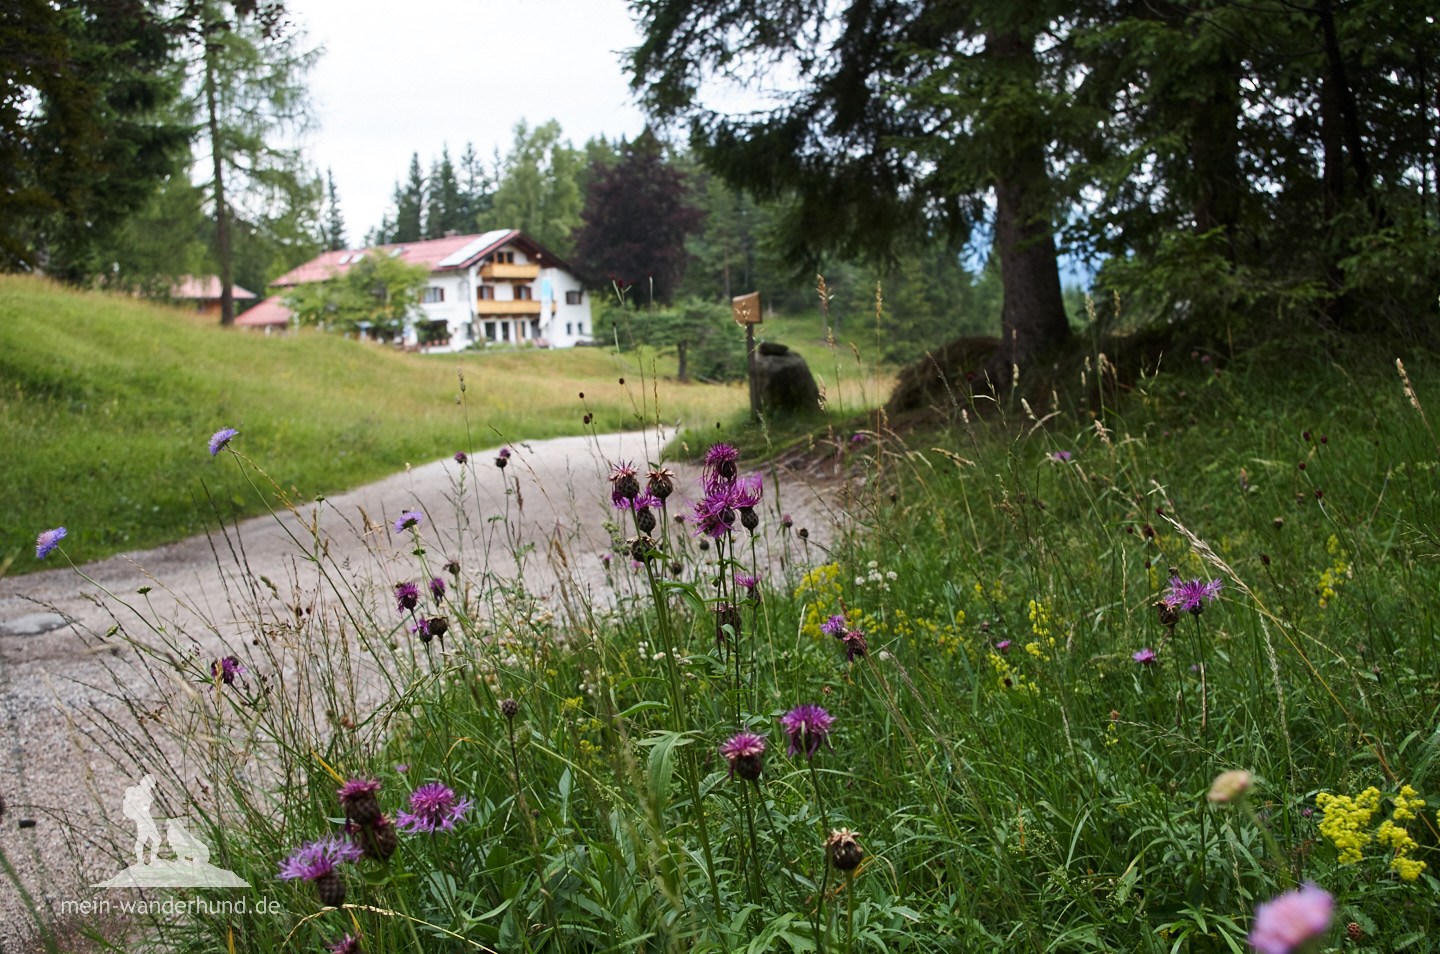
(572, 297)
(432, 295)
(534, 328)
(522, 292)
(504, 331)
(569, 325)
(489, 331)
(580, 328)
(503, 258)
(487, 292)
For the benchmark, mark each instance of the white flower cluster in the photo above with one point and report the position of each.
(880, 580)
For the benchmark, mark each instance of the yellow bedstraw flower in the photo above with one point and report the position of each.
(1405, 804)
(1346, 821)
(1394, 836)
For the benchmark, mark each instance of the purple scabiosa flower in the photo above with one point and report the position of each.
(834, 626)
(315, 859)
(1144, 656)
(1003, 645)
(624, 483)
(221, 439)
(720, 469)
(407, 596)
(743, 751)
(434, 807)
(461, 457)
(808, 727)
(46, 542)
(1192, 596)
(408, 519)
(437, 588)
(225, 670)
(346, 945)
(358, 799)
(1288, 920)
(1061, 457)
(855, 645)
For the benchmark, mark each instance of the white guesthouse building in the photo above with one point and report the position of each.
(501, 287)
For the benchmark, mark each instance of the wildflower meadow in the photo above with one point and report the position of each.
(1149, 668)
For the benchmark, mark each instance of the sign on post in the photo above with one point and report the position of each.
(747, 309)
(747, 315)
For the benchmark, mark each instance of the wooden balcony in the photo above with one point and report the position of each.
(510, 273)
(488, 306)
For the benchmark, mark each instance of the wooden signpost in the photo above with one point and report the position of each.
(746, 309)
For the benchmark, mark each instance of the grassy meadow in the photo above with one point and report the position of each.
(1023, 745)
(106, 403)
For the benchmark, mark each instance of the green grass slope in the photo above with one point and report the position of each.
(106, 404)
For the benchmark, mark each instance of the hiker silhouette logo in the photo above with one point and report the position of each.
(189, 868)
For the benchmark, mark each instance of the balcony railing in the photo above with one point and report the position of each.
(510, 273)
(489, 306)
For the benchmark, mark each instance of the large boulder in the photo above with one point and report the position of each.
(783, 380)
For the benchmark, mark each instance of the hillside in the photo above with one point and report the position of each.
(106, 404)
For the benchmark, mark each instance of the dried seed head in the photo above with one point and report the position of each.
(843, 850)
(640, 547)
(1168, 613)
(661, 483)
(645, 520)
(436, 626)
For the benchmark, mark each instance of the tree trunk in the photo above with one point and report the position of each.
(1345, 97)
(683, 373)
(1032, 312)
(1214, 156)
(222, 217)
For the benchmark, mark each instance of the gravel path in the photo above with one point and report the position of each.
(58, 677)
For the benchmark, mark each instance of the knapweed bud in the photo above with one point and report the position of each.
(1168, 613)
(453, 568)
(623, 482)
(640, 547)
(645, 520)
(786, 522)
(661, 483)
(843, 850)
(359, 801)
(804, 534)
(330, 887)
(437, 626)
(503, 458)
(1229, 786)
(749, 519)
(509, 708)
(379, 841)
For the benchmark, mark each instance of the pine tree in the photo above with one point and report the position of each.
(334, 221)
(409, 204)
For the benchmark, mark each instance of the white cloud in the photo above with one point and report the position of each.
(411, 76)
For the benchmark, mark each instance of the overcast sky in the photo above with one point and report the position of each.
(413, 75)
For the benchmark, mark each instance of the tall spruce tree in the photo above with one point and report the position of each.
(409, 205)
(334, 220)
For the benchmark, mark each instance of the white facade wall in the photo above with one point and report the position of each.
(559, 324)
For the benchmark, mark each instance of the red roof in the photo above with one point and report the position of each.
(206, 288)
(271, 311)
(439, 255)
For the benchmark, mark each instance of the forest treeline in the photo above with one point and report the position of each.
(1212, 161)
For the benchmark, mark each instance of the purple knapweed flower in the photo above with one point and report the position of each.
(437, 588)
(357, 797)
(858, 438)
(808, 727)
(1003, 645)
(720, 469)
(748, 492)
(408, 519)
(318, 858)
(713, 516)
(747, 583)
(1288, 920)
(855, 645)
(346, 945)
(743, 751)
(1145, 656)
(1192, 596)
(225, 670)
(46, 542)
(221, 438)
(407, 596)
(461, 457)
(834, 626)
(1061, 457)
(434, 807)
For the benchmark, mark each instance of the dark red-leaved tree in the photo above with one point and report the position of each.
(636, 219)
